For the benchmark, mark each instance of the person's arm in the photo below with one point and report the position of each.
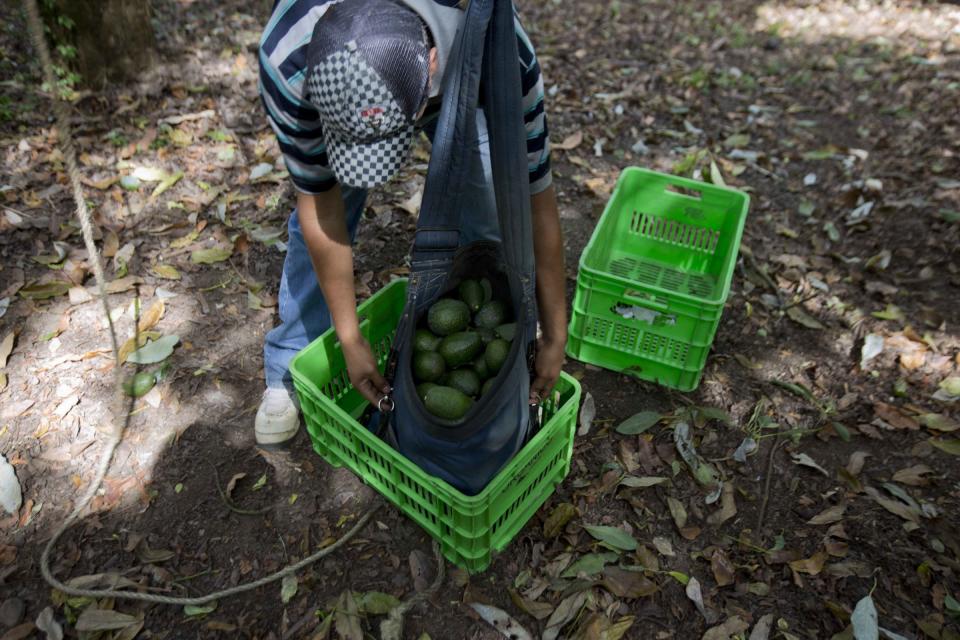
(551, 291)
(324, 226)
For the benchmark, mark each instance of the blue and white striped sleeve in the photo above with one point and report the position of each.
(534, 115)
(293, 119)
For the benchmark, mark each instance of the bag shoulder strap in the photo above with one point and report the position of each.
(508, 153)
(438, 226)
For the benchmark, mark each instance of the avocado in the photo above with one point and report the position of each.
(487, 290)
(423, 388)
(507, 331)
(491, 315)
(496, 354)
(486, 387)
(480, 366)
(423, 340)
(447, 403)
(428, 366)
(487, 335)
(460, 348)
(471, 293)
(465, 380)
(139, 384)
(448, 316)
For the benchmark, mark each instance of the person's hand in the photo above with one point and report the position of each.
(363, 372)
(548, 365)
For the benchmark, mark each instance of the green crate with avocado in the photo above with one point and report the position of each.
(460, 347)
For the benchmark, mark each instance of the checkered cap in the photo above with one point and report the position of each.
(368, 70)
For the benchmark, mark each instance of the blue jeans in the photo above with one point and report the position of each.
(304, 315)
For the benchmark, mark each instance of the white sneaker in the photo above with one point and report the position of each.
(278, 417)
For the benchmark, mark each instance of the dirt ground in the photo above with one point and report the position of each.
(837, 355)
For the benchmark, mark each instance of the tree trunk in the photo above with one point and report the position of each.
(114, 39)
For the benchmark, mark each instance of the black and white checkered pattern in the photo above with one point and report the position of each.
(367, 133)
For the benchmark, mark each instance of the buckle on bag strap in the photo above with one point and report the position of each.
(532, 357)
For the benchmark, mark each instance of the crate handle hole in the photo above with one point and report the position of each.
(684, 191)
(645, 299)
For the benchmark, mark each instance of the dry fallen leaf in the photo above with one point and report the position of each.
(804, 460)
(828, 516)
(232, 484)
(894, 506)
(419, 570)
(723, 570)
(6, 348)
(568, 609)
(895, 417)
(627, 584)
(111, 244)
(152, 316)
(601, 187)
(558, 519)
(166, 271)
(695, 594)
(93, 619)
(412, 204)
(348, 617)
(913, 359)
(761, 631)
(572, 141)
(588, 411)
(913, 476)
(534, 608)
(123, 284)
(728, 506)
(855, 465)
(663, 546)
(501, 621)
(677, 511)
(731, 628)
(812, 565)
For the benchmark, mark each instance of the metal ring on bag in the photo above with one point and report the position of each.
(389, 400)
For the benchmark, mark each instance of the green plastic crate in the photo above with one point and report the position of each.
(468, 528)
(655, 275)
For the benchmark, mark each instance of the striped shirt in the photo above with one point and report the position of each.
(282, 56)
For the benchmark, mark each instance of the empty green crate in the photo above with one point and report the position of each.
(469, 528)
(655, 275)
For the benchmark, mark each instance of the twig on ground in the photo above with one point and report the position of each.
(766, 485)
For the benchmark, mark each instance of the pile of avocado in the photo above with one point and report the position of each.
(461, 349)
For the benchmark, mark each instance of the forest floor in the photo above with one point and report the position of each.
(838, 354)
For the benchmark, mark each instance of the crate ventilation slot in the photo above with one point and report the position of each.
(673, 232)
(651, 273)
(663, 348)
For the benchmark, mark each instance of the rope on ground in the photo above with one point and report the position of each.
(62, 115)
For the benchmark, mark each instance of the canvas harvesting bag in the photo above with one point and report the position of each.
(469, 452)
